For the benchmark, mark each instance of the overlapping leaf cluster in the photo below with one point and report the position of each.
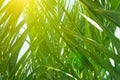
(68, 40)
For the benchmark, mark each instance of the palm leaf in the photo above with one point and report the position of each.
(67, 39)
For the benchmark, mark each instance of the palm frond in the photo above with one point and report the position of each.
(68, 39)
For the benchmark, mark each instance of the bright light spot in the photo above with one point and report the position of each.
(5, 2)
(24, 48)
(20, 19)
(115, 51)
(23, 28)
(117, 32)
(71, 76)
(107, 73)
(62, 51)
(60, 40)
(69, 4)
(112, 62)
(92, 22)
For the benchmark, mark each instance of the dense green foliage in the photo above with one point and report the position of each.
(68, 40)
